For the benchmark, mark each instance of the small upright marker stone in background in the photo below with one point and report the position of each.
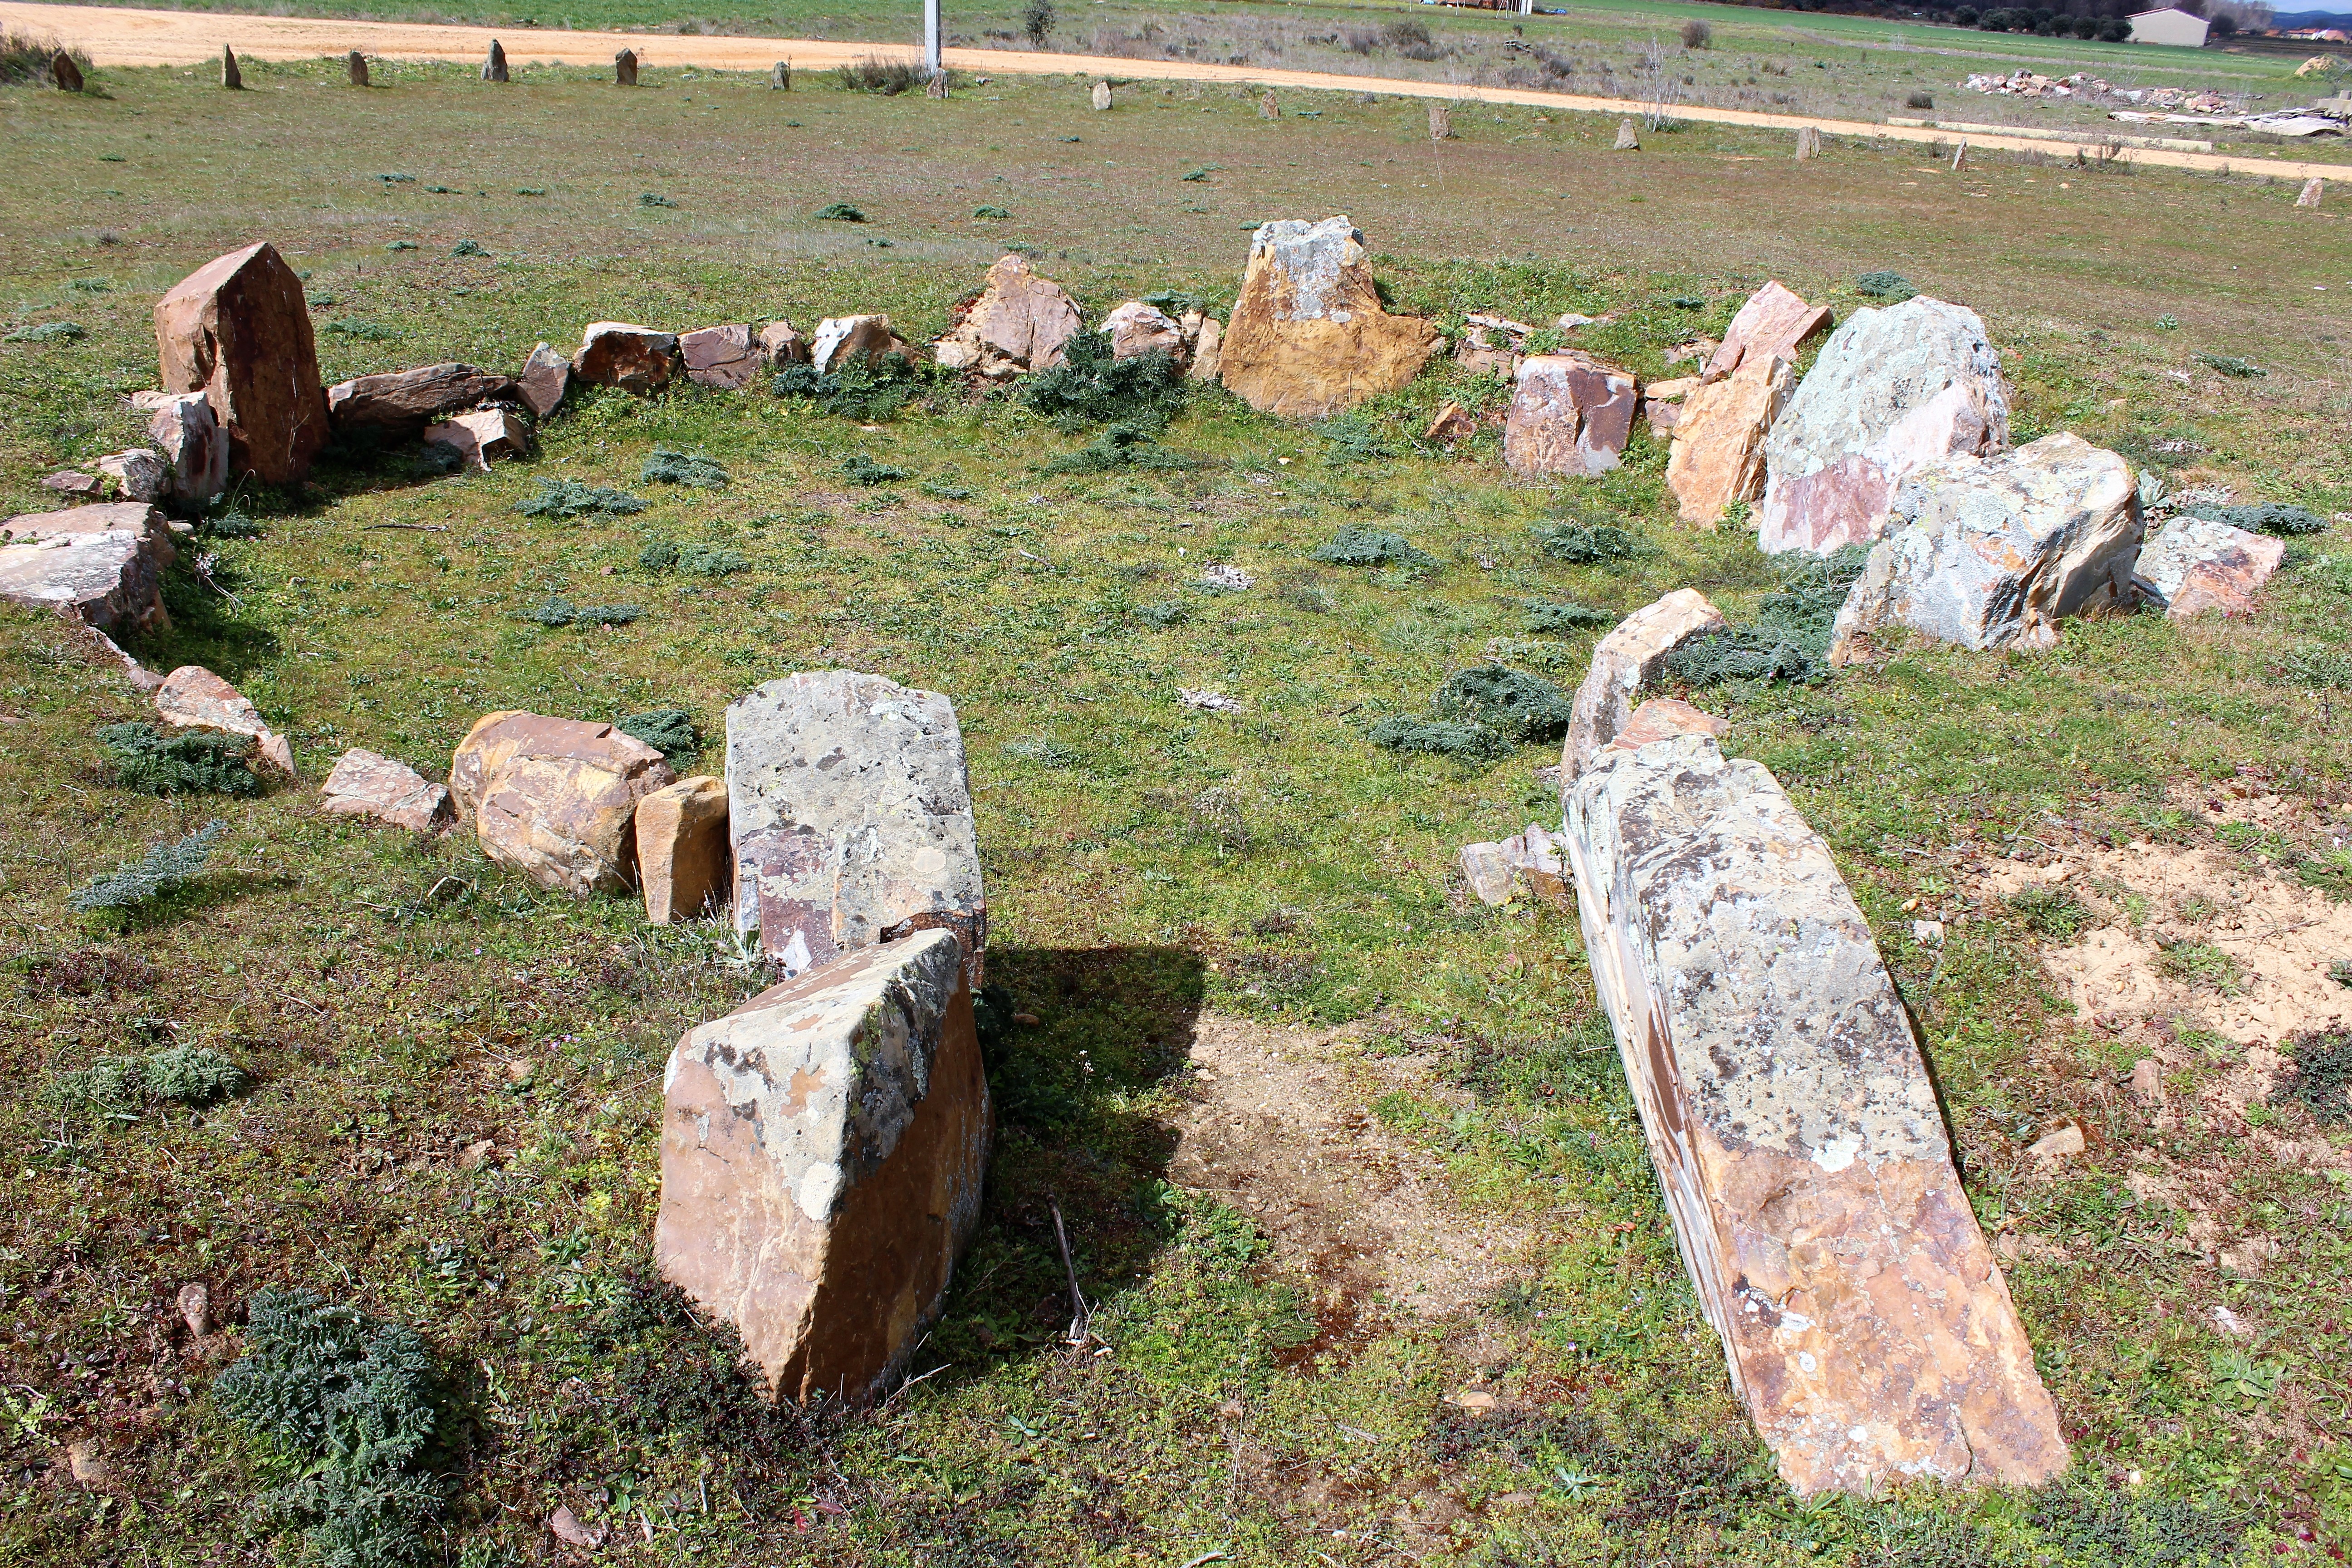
(1960, 155)
(495, 68)
(624, 68)
(1809, 142)
(356, 63)
(68, 78)
(780, 76)
(1441, 122)
(936, 86)
(1626, 141)
(1102, 95)
(232, 80)
(1268, 109)
(2309, 198)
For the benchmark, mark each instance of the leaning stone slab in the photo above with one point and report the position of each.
(1019, 324)
(1308, 336)
(546, 377)
(632, 358)
(238, 330)
(723, 357)
(1993, 552)
(373, 786)
(193, 698)
(483, 437)
(2194, 566)
(139, 474)
(1718, 457)
(1628, 659)
(1892, 391)
(1570, 413)
(102, 564)
(851, 814)
(682, 852)
(1796, 1133)
(1663, 718)
(1773, 321)
(1136, 328)
(190, 438)
(862, 340)
(556, 799)
(823, 1152)
(406, 399)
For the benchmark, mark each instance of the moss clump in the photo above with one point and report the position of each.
(555, 611)
(179, 762)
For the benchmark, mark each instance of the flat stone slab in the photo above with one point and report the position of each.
(377, 788)
(101, 563)
(682, 848)
(2193, 565)
(1796, 1133)
(408, 398)
(851, 814)
(194, 697)
(823, 1152)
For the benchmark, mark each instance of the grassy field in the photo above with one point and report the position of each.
(1156, 872)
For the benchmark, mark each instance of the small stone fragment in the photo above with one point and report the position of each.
(1441, 122)
(1772, 322)
(863, 341)
(483, 437)
(2059, 1145)
(68, 482)
(1628, 659)
(1019, 324)
(1208, 353)
(196, 1306)
(1136, 328)
(139, 474)
(2148, 1081)
(2193, 565)
(232, 79)
(379, 789)
(783, 344)
(546, 378)
(355, 67)
(1308, 336)
(1266, 107)
(1535, 854)
(1570, 413)
(556, 799)
(1490, 875)
(1666, 718)
(1208, 702)
(1452, 425)
(1232, 579)
(189, 435)
(404, 400)
(823, 1152)
(101, 564)
(635, 359)
(563, 1524)
(682, 848)
(83, 1460)
(1718, 456)
(722, 357)
(193, 697)
(2309, 195)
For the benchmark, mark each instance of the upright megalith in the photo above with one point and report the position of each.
(1718, 456)
(851, 816)
(624, 68)
(1308, 336)
(823, 1152)
(237, 330)
(1892, 391)
(494, 68)
(1796, 1132)
(355, 67)
(1019, 323)
(1570, 416)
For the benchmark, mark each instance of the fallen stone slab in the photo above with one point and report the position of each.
(1136, 328)
(824, 1149)
(483, 437)
(1796, 1133)
(1018, 325)
(1490, 875)
(1993, 552)
(101, 564)
(851, 814)
(556, 799)
(1718, 457)
(407, 399)
(2192, 566)
(721, 357)
(862, 340)
(632, 358)
(1308, 336)
(1892, 391)
(682, 848)
(74, 483)
(189, 437)
(139, 474)
(1666, 718)
(1628, 659)
(1570, 413)
(783, 344)
(1772, 322)
(546, 377)
(238, 330)
(373, 786)
(193, 698)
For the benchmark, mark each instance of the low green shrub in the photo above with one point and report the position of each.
(863, 470)
(555, 611)
(1789, 637)
(1551, 616)
(1120, 446)
(1092, 386)
(567, 499)
(179, 762)
(2322, 1083)
(1888, 288)
(121, 1086)
(668, 467)
(1511, 702)
(2050, 912)
(2232, 366)
(1588, 545)
(152, 875)
(840, 212)
(2267, 517)
(1356, 545)
(1441, 737)
(669, 731)
(48, 332)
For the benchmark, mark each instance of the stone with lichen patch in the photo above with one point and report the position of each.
(1308, 336)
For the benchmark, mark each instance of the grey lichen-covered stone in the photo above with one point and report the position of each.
(2194, 566)
(1993, 552)
(1796, 1132)
(1892, 391)
(823, 1152)
(851, 813)
(1625, 663)
(102, 564)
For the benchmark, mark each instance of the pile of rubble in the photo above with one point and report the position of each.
(2028, 84)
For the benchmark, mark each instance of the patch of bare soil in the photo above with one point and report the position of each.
(1278, 1125)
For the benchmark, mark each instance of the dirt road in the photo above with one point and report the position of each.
(117, 37)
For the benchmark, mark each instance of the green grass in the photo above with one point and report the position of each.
(396, 1005)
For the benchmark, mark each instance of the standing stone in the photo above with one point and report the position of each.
(1626, 141)
(781, 343)
(1960, 155)
(682, 848)
(1136, 328)
(864, 341)
(1629, 660)
(1893, 390)
(851, 814)
(722, 357)
(404, 400)
(1570, 413)
(67, 76)
(1796, 1133)
(1452, 426)
(1268, 109)
(238, 330)
(103, 564)
(546, 377)
(1489, 873)
(1308, 336)
(1809, 142)
(193, 698)
(1101, 99)
(373, 786)
(1993, 552)
(1441, 122)
(2193, 565)
(1208, 353)
(2309, 196)
(556, 799)
(1019, 324)
(483, 437)
(624, 68)
(495, 68)
(1772, 321)
(355, 64)
(1718, 456)
(635, 359)
(191, 442)
(139, 474)
(780, 76)
(232, 80)
(824, 1149)
(936, 86)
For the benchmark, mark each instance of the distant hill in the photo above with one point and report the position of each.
(2296, 21)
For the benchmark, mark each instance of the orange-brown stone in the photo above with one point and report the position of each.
(238, 330)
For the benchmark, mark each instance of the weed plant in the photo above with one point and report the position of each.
(180, 761)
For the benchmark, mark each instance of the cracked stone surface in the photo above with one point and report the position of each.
(1308, 336)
